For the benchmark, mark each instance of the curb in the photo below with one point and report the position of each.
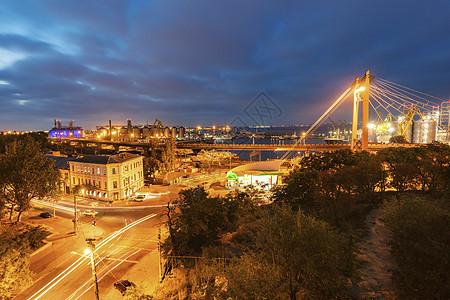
(46, 245)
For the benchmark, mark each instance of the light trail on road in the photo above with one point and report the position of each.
(39, 294)
(51, 205)
(69, 206)
(107, 271)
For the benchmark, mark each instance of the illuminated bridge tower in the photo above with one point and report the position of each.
(361, 94)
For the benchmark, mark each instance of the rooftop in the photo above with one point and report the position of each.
(257, 168)
(106, 159)
(61, 162)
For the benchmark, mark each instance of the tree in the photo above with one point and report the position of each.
(398, 139)
(16, 246)
(421, 247)
(331, 184)
(199, 220)
(25, 174)
(168, 157)
(433, 163)
(296, 256)
(402, 167)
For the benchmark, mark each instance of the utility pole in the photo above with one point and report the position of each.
(159, 251)
(75, 212)
(90, 251)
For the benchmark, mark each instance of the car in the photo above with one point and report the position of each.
(45, 215)
(122, 285)
(90, 212)
(139, 198)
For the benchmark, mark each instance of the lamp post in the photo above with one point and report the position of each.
(75, 212)
(90, 251)
(159, 251)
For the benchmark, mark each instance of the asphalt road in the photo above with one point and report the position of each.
(123, 237)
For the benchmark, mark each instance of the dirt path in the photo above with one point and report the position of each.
(376, 271)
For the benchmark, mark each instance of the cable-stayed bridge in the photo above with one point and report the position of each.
(381, 109)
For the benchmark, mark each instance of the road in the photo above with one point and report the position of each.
(123, 237)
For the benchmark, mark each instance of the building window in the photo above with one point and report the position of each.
(98, 171)
(79, 182)
(114, 184)
(73, 168)
(106, 185)
(99, 184)
(73, 180)
(114, 170)
(116, 196)
(93, 172)
(104, 171)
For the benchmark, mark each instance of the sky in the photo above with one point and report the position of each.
(206, 62)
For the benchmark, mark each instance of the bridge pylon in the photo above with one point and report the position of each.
(361, 94)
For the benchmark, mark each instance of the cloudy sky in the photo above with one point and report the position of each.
(196, 62)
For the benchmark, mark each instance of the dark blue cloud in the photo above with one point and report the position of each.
(201, 61)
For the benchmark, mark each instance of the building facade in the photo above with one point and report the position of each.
(107, 178)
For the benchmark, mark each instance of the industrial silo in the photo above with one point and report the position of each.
(181, 132)
(174, 132)
(425, 130)
(167, 132)
(123, 130)
(136, 132)
(145, 131)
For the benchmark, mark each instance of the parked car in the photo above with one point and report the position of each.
(45, 215)
(122, 285)
(90, 212)
(139, 198)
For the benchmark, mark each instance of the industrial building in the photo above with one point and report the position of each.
(66, 131)
(131, 132)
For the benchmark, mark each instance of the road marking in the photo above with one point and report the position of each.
(139, 248)
(39, 294)
(122, 260)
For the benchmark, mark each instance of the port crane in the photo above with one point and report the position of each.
(153, 130)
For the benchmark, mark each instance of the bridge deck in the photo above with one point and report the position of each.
(237, 147)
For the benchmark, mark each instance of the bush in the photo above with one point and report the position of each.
(420, 246)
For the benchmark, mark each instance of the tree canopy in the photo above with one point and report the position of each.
(296, 256)
(421, 247)
(16, 246)
(24, 174)
(199, 219)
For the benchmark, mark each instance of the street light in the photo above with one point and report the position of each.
(90, 251)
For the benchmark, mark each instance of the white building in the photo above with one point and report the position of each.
(108, 178)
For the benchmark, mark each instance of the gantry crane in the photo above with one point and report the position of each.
(405, 121)
(153, 130)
